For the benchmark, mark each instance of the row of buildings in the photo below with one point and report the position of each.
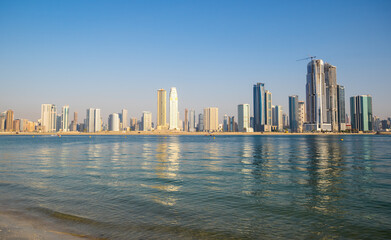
(323, 110)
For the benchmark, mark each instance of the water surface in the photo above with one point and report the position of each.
(197, 187)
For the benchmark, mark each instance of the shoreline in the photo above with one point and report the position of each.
(170, 133)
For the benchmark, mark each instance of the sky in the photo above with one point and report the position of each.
(116, 54)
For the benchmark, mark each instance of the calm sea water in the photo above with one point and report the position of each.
(197, 187)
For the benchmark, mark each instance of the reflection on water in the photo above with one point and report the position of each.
(202, 188)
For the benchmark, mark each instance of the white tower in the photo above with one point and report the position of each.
(173, 109)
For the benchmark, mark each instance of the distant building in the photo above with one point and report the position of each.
(174, 113)
(74, 122)
(161, 109)
(341, 108)
(259, 106)
(146, 120)
(278, 118)
(211, 119)
(200, 122)
(133, 124)
(244, 117)
(225, 123)
(186, 122)
(301, 116)
(65, 118)
(58, 123)
(268, 111)
(361, 113)
(16, 125)
(9, 121)
(93, 120)
(192, 126)
(48, 117)
(331, 98)
(124, 119)
(114, 122)
(2, 121)
(293, 113)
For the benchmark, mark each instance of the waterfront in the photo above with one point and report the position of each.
(259, 187)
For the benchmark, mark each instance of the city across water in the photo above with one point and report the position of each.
(200, 187)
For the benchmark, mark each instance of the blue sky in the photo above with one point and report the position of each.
(116, 54)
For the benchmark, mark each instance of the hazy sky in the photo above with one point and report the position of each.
(117, 54)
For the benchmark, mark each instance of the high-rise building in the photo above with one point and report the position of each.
(200, 122)
(211, 119)
(48, 117)
(65, 118)
(330, 74)
(124, 120)
(174, 114)
(225, 123)
(133, 124)
(341, 108)
(244, 117)
(293, 112)
(277, 118)
(161, 109)
(186, 122)
(58, 123)
(114, 122)
(285, 121)
(97, 120)
(9, 121)
(361, 112)
(90, 117)
(74, 122)
(146, 120)
(192, 127)
(301, 116)
(259, 103)
(2, 121)
(268, 111)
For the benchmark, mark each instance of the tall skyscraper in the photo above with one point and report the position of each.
(278, 118)
(259, 102)
(133, 124)
(48, 117)
(192, 126)
(211, 119)
(186, 122)
(361, 112)
(293, 112)
(244, 117)
(97, 120)
(90, 117)
(74, 122)
(330, 73)
(2, 121)
(174, 114)
(268, 111)
(9, 120)
(146, 120)
(225, 123)
(341, 108)
(58, 122)
(301, 116)
(200, 122)
(124, 119)
(114, 122)
(161, 109)
(65, 118)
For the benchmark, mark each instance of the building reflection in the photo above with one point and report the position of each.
(325, 169)
(166, 170)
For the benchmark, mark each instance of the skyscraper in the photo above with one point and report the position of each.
(124, 119)
(211, 119)
(200, 122)
(259, 102)
(301, 116)
(186, 122)
(146, 120)
(192, 127)
(361, 112)
(65, 118)
(174, 115)
(244, 117)
(74, 122)
(278, 118)
(114, 122)
(225, 123)
(9, 120)
(2, 121)
(90, 117)
(341, 108)
(330, 73)
(268, 111)
(293, 112)
(161, 109)
(97, 120)
(48, 117)
(315, 93)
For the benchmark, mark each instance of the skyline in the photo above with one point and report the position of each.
(66, 54)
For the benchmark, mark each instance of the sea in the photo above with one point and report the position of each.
(201, 187)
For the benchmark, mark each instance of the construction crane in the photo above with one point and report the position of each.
(310, 57)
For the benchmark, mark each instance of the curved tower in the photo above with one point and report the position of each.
(173, 109)
(315, 89)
